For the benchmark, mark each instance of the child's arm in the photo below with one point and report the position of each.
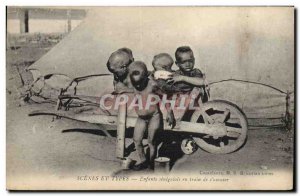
(166, 87)
(170, 116)
(119, 87)
(115, 84)
(195, 81)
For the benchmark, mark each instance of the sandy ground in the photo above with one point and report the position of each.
(63, 148)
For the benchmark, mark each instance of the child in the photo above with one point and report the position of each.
(187, 77)
(148, 118)
(163, 62)
(117, 64)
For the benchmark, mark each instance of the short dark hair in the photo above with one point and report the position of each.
(128, 51)
(160, 55)
(119, 53)
(182, 49)
(136, 66)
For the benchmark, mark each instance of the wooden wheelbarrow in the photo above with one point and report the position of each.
(217, 127)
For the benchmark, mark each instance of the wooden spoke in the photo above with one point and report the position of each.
(222, 113)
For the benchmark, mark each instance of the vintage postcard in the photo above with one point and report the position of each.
(150, 98)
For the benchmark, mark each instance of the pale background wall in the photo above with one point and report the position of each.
(248, 43)
(243, 43)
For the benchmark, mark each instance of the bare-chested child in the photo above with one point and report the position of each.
(187, 77)
(162, 64)
(117, 64)
(149, 118)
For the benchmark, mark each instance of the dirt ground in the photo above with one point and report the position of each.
(41, 144)
(62, 148)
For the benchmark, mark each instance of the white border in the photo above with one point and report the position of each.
(149, 2)
(104, 3)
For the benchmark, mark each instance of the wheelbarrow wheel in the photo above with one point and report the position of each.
(224, 113)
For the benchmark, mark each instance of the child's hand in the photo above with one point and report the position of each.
(171, 119)
(175, 78)
(161, 74)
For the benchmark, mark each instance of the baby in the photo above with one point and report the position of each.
(162, 63)
(150, 119)
(117, 64)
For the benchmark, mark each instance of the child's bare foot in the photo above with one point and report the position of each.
(141, 166)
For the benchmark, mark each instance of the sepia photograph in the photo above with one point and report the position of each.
(150, 98)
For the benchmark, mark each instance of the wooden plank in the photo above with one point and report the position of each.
(121, 127)
(181, 126)
(288, 115)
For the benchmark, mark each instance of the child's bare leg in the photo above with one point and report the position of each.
(155, 124)
(138, 135)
